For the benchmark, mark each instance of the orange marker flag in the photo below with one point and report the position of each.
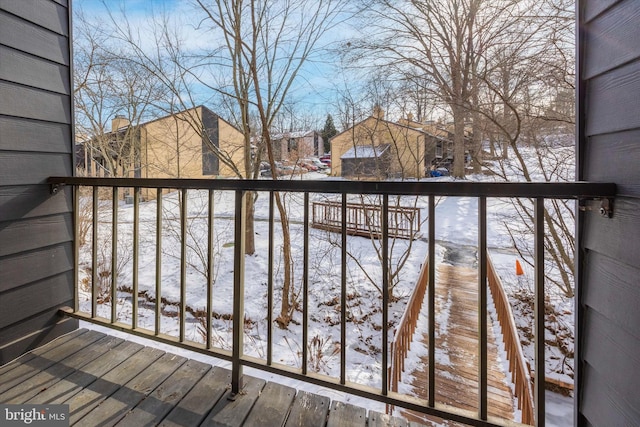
(519, 271)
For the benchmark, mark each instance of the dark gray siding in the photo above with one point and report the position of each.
(36, 229)
(609, 151)
(210, 162)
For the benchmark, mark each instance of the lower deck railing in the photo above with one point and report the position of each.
(363, 219)
(517, 364)
(240, 190)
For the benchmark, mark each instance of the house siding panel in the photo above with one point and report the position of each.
(47, 14)
(32, 201)
(607, 407)
(31, 38)
(15, 341)
(619, 301)
(617, 108)
(614, 236)
(622, 160)
(611, 37)
(40, 167)
(608, 341)
(37, 297)
(22, 101)
(25, 69)
(27, 267)
(36, 232)
(33, 135)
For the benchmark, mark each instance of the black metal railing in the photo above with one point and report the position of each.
(156, 188)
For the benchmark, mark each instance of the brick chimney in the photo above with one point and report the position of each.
(378, 112)
(119, 121)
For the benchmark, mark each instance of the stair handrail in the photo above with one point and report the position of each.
(403, 333)
(518, 366)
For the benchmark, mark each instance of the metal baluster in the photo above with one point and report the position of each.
(432, 301)
(183, 263)
(385, 294)
(114, 253)
(136, 255)
(482, 307)
(210, 241)
(76, 248)
(158, 307)
(305, 286)
(539, 311)
(343, 293)
(270, 283)
(94, 255)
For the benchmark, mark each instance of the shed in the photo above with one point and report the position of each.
(367, 161)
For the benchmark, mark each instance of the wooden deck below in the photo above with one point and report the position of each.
(110, 381)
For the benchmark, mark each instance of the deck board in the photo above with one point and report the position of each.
(272, 406)
(66, 388)
(308, 410)
(232, 412)
(377, 419)
(346, 415)
(40, 361)
(93, 395)
(195, 406)
(116, 406)
(153, 409)
(27, 390)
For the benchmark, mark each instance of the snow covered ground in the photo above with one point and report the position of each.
(456, 224)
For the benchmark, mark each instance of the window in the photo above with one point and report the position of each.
(293, 145)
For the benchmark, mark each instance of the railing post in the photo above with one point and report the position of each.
(238, 293)
(539, 311)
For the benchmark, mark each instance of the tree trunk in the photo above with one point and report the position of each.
(286, 309)
(249, 235)
(458, 141)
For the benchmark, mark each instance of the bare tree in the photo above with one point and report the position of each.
(266, 44)
(437, 44)
(112, 97)
(523, 100)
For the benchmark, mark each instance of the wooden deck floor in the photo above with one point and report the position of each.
(457, 350)
(110, 381)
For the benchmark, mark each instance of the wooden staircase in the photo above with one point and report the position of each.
(457, 351)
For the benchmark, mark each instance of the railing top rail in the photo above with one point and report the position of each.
(553, 190)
